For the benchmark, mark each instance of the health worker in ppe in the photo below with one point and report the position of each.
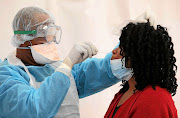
(34, 83)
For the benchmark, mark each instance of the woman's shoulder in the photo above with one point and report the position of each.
(157, 92)
(158, 95)
(154, 103)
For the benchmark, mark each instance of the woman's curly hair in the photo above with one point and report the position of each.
(151, 56)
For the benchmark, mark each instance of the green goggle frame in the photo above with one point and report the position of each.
(25, 32)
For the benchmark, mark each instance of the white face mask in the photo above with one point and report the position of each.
(45, 53)
(119, 70)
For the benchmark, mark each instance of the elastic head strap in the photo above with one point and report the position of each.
(25, 32)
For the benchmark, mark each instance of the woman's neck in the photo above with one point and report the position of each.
(132, 84)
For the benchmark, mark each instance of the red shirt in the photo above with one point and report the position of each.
(148, 103)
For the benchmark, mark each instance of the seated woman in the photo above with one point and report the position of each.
(148, 92)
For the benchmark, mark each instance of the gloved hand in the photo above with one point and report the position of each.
(148, 15)
(79, 53)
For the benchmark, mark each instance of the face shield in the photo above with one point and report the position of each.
(51, 32)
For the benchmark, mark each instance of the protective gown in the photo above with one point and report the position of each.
(57, 95)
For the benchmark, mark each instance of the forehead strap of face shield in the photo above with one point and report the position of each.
(25, 32)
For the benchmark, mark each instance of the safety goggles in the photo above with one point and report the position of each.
(51, 32)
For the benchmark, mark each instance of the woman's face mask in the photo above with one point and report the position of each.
(119, 70)
(118, 67)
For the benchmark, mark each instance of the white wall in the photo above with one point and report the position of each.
(94, 20)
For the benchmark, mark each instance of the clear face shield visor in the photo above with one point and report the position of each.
(52, 33)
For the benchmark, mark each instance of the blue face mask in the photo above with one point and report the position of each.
(119, 70)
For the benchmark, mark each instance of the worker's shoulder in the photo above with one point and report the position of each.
(158, 95)
(6, 67)
(12, 72)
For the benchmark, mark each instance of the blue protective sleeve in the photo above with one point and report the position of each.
(93, 75)
(18, 99)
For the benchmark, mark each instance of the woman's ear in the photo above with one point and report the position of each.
(128, 63)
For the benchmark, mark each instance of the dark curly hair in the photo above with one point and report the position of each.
(151, 56)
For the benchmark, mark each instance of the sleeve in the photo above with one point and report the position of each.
(93, 75)
(19, 99)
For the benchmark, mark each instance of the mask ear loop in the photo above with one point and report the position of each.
(30, 43)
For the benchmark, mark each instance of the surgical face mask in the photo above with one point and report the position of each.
(119, 70)
(45, 53)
